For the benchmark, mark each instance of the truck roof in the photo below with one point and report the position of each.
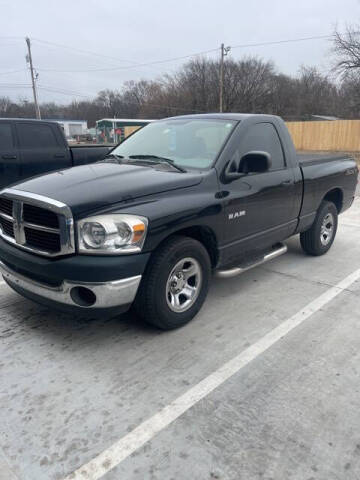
(14, 119)
(127, 120)
(224, 116)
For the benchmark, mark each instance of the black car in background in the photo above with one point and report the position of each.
(34, 147)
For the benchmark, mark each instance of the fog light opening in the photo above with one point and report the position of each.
(82, 296)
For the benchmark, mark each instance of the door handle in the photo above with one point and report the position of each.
(286, 182)
(9, 157)
(59, 155)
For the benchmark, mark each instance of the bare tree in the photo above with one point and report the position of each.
(284, 96)
(349, 97)
(347, 50)
(315, 93)
(250, 85)
(5, 105)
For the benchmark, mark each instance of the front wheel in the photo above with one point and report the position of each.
(175, 283)
(321, 235)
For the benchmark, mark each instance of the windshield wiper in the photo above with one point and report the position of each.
(155, 159)
(113, 155)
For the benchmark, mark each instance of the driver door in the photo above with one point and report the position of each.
(259, 210)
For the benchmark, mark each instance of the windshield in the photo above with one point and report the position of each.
(193, 143)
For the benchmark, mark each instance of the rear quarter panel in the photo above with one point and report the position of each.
(322, 177)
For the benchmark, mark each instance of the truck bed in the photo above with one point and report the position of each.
(84, 154)
(307, 159)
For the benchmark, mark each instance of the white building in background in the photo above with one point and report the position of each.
(71, 127)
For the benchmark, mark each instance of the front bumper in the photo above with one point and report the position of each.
(113, 280)
(75, 268)
(83, 295)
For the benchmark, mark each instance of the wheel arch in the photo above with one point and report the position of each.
(336, 196)
(203, 234)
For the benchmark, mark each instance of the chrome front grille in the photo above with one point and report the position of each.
(36, 223)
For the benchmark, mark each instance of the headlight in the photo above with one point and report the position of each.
(112, 234)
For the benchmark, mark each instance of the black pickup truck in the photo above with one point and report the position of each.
(34, 147)
(180, 198)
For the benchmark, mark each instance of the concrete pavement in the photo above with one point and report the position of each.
(70, 388)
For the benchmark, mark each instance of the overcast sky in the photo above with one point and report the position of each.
(141, 31)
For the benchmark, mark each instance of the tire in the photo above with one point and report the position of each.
(317, 240)
(166, 298)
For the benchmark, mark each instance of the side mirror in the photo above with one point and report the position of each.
(251, 162)
(255, 162)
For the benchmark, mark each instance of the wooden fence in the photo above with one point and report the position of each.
(130, 130)
(336, 135)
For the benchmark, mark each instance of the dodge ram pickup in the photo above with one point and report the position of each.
(176, 201)
(34, 147)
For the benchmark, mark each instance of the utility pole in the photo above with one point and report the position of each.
(224, 52)
(114, 128)
(29, 59)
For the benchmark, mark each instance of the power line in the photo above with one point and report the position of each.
(184, 57)
(13, 71)
(15, 85)
(135, 64)
(11, 38)
(157, 62)
(277, 42)
(46, 88)
(86, 52)
(80, 50)
(65, 92)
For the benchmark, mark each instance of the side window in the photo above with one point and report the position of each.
(6, 138)
(33, 135)
(263, 137)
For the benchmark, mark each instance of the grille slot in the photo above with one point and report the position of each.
(40, 216)
(6, 206)
(7, 227)
(46, 241)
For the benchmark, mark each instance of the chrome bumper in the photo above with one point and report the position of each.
(104, 294)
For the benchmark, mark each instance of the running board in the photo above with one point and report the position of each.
(232, 272)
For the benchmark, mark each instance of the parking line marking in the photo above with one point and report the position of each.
(143, 433)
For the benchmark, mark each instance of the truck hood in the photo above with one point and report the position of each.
(90, 187)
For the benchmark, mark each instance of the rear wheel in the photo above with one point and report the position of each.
(321, 235)
(175, 283)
